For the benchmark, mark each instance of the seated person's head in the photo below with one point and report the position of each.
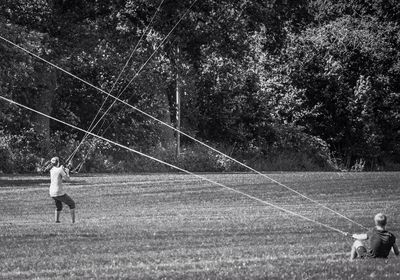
(380, 220)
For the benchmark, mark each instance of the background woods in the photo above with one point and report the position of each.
(287, 85)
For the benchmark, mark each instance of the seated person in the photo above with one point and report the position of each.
(376, 243)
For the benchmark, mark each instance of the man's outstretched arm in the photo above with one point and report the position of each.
(65, 173)
(361, 236)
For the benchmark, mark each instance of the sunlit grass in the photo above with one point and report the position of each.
(172, 226)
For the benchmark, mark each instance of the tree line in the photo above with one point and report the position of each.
(277, 84)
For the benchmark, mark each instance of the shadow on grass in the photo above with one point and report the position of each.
(33, 182)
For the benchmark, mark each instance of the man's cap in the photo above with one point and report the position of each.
(54, 160)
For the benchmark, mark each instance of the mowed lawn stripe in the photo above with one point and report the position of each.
(192, 229)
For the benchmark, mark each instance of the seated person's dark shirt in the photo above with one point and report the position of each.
(380, 243)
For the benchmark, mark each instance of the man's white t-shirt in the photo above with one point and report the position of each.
(57, 174)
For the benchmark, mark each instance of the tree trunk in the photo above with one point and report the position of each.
(43, 100)
(167, 134)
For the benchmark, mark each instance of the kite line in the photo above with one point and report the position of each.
(178, 168)
(92, 125)
(185, 134)
(144, 64)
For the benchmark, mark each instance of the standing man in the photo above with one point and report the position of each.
(380, 241)
(57, 174)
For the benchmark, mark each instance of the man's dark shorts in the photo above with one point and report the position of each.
(63, 198)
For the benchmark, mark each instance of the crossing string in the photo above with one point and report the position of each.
(194, 139)
(145, 63)
(177, 168)
(92, 126)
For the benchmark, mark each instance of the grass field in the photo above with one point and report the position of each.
(174, 226)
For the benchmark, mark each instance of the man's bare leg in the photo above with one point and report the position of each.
(353, 252)
(72, 215)
(57, 216)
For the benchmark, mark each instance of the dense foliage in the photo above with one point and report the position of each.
(289, 85)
